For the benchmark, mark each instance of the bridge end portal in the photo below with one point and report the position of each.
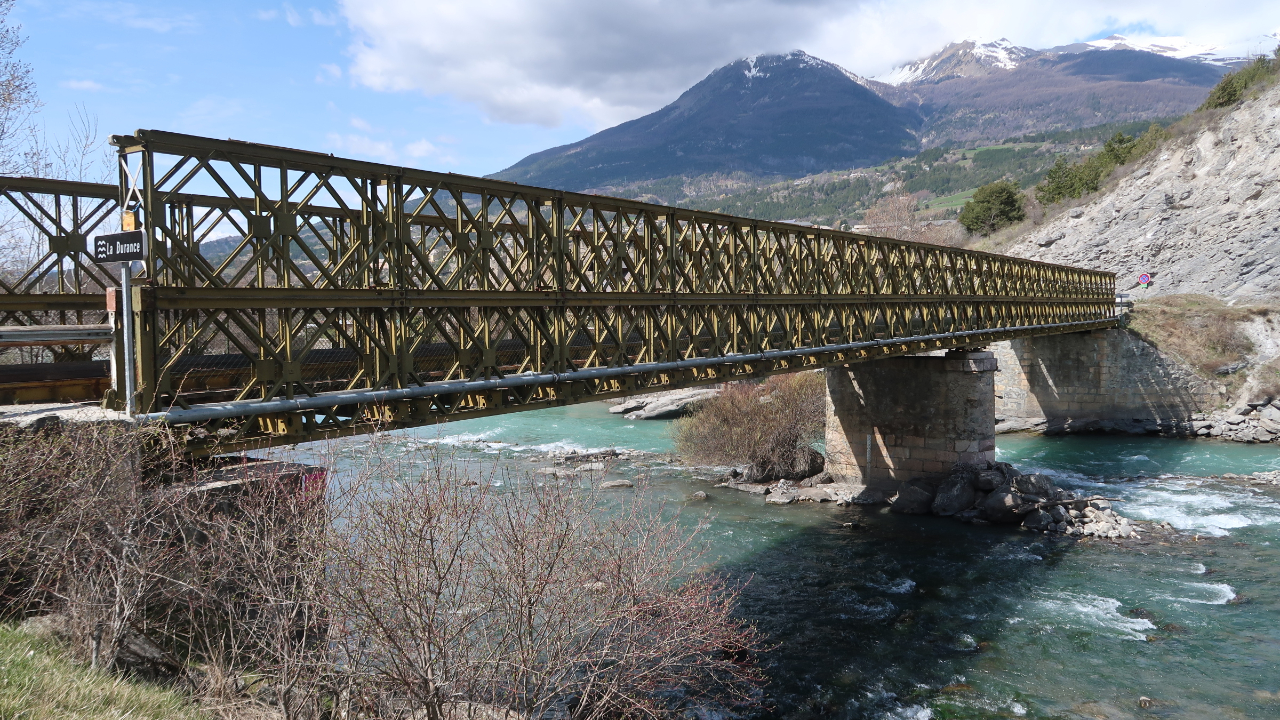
(900, 419)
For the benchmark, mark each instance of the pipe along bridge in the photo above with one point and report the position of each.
(289, 296)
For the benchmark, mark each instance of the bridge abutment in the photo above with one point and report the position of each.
(898, 419)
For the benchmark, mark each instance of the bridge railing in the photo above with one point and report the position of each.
(290, 295)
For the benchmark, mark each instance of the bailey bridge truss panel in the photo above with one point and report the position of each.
(290, 296)
(47, 273)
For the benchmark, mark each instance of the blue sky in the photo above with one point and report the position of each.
(243, 70)
(472, 87)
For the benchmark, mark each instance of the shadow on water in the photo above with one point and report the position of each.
(888, 614)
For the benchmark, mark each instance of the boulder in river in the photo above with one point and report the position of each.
(663, 406)
(1037, 520)
(1002, 507)
(617, 484)
(813, 494)
(956, 492)
(915, 498)
(1035, 484)
(780, 498)
(822, 478)
(987, 480)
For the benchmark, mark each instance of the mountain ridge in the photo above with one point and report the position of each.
(767, 114)
(793, 115)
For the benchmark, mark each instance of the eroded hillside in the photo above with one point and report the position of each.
(1202, 215)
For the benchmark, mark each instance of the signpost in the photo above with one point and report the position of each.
(124, 248)
(1144, 279)
(120, 247)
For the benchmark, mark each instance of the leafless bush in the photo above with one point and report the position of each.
(898, 217)
(155, 575)
(396, 592)
(768, 425)
(536, 600)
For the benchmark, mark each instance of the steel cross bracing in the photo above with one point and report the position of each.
(280, 281)
(47, 274)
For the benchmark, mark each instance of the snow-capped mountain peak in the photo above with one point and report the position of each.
(1001, 53)
(963, 59)
(1179, 48)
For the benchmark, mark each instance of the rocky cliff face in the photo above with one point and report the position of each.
(1201, 215)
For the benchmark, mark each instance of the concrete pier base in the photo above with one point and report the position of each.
(899, 419)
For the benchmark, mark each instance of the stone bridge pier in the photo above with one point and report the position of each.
(900, 419)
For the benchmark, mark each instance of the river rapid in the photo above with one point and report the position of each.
(924, 617)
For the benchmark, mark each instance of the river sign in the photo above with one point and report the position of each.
(120, 247)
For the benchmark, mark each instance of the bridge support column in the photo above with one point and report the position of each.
(894, 420)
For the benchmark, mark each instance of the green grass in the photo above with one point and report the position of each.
(951, 201)
(38, 681)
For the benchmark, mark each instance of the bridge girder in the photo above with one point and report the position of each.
(278, 274)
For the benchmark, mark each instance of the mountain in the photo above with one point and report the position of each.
(970, 92)
(1170, 47)
(794, 115)
(1199, 214)
(787, 114)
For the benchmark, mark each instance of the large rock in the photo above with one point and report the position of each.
(753, 488)
(822, 478)
(987, 480)
(1037, 520)
(666, 406)
(813, 494)
(1035, 485)
(915, 498)
(780, 498)
(1002, 507)
(955, 494)
(853, 494)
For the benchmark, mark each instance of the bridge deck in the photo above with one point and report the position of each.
(290, 296)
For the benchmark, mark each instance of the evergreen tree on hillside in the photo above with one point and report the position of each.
(993, 206)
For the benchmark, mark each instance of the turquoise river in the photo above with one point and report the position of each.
(922, 617)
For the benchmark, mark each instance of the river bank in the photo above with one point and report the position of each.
(878, 615)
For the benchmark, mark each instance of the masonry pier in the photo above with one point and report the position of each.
(900, 419)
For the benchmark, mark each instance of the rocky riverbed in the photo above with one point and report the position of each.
(993, 494)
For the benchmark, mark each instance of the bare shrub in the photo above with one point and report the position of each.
(154, 575)
(769, 425)
(394, 592)
(539, 600)
(898, 217)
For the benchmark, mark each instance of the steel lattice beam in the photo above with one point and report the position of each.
(285, 276)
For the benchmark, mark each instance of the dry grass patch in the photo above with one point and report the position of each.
(1202, 331)
(39, 680)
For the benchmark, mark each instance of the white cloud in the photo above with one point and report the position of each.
(362, 146)
(420, 153)
(540, 61)
(329, 73)
(421, 149)
(291, 16)
(87, 85)
(361, 124)
(323, 18)
(130, 15)
(266, 14)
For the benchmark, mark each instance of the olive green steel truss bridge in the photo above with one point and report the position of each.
(290, 296)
